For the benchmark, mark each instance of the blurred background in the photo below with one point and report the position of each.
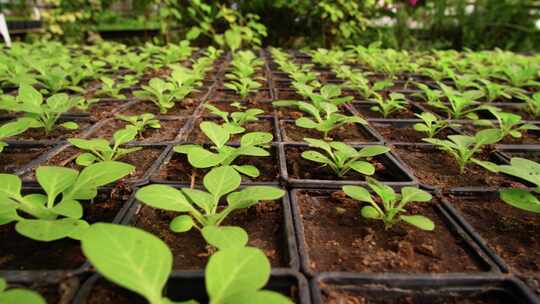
(401, 24)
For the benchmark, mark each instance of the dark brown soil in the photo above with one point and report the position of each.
(168, 131)
(405, 132)
(20, 253)
(338, 238)
(106, 292)
(262, 125)
(335, 295)
(300, 168)
(12, 159)
(141, 159)
(226, 106)
(347, 133)
(56, 134)
(289, 94)
(366, 112)
(54, 293)
(533, 155)
(439, 169)
(263, 222)
(512, 233)
(179, 170)
(185, 107)
(261, 94)
(105, 109)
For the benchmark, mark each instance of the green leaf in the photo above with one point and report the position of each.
(217, 134)
(49, 230)
(362, 167)
(411, 194)
(129, 257)
(202, 158)
(247, 170)
(520, 198)
(259, 297)
(182, 223)
(316, 157)
(225, 237)
(69, 208)
(256, 138)
(86, 159)
(124, 135)
(202, 199)
(28, 94)
(304, 122)
(97, 175)
(358, 193)
(370, 212)
(371, 151)
(11, 185)
(163, 197)
(70, 125)
(54, 180)
(21, 296)
(235, 271)
(221, 180)
(419, 221)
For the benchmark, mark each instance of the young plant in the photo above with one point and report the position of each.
(158, 92)
(532, 104)
(140, 122)
(251, 144)
(112, 88)
(242, 86)
(202, 207)
(387, 106)
(141, 262)
(57, 214)
(18, 295)
(325, 116)
(507, 123)
(494, 91)
(329, 93)
(521, 198)
(463, 147)
(235, 121)
(459, 103)
(429, 95)
(342, 158)
(430, 124)
(100, 150)
(40, 114)
(13, 128)
(183, 81)
(393, 204)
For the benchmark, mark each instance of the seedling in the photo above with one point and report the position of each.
(393, 204)
(202, 206)
(141, 262)
(183, 81)
(40, 114)
(387, 106)
(112, 88)
(242, 86)
(57, 213)
(429, 95)
(459, 103)
(532, 103)
(100, 150)
(463, 147)
(140, 122)
(507, 123)
(18, 295)
(325, 123)
(342, 158)
(251, 144)
(158, 92)
(235, 121)
(431, 125)
(329, 93)
(494, 91)
(13, 128)
(521, 198)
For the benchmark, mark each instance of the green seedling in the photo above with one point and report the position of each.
(342, 158)
(40, 114)
(507, 123)
(429, 95)
(57, 214)
(140, 262)
(251, 144)
(459, 104)
(158, 92)
(387, 106)
(201, 208)
(13, 128)
(235, 121)
(141, 122)
(393, 204)
(100, 150)
(532, 104)
(431, 125)
(18, 295)
(463, 147)
(112, 88)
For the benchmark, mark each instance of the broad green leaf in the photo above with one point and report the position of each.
(225, 236)
(411, 194)
(21, 296)
(305, 122)
(252, 195)
(181, 223)
(234, 271)
(202, 158)
(69, 208)
(8, 214)
(256, 138)
(202, 199)
(247, 170)
(370, 213)
(124, 135)
(488, 136)
(54, 180)
(86, 159)
(70, 125)
(358, 193)
(316, 157)
(28, 94)
(11, 185)
(163, 197)
(217, 134)
(371, 151)
(259, 297)
(362, 167)
(97, 175)
(522, 199)
(48, 230)
(129, 257)
(319, 144)
(419, 221)
(221, 180)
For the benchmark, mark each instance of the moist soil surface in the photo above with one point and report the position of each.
(338, 238)
(436, 168)
(335, 295)
(21, 253)
(178, 169)
(261, 125)
(512, 233)
(186, 107)
(300, 168)
(142, 160)
(261, 94)
(263, 222)
(54, 293)
(396, 132)
(345, 133)
(15, 158)
(105, 109)
(168, 131)
(366, 112)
